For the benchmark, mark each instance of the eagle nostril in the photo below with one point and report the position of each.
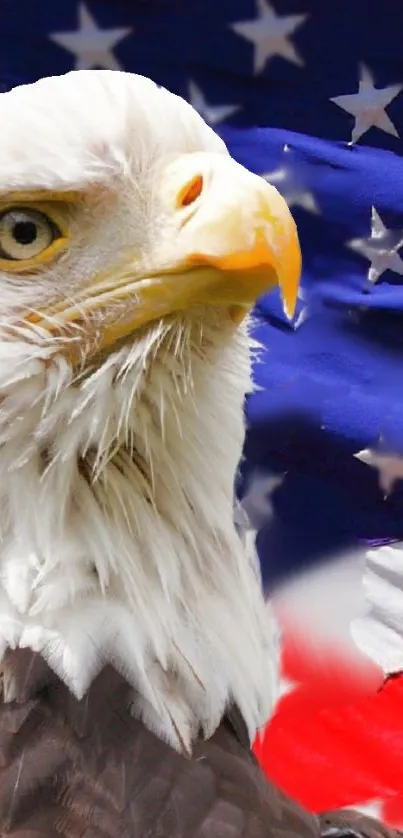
(191, 192)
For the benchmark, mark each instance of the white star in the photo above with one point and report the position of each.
(288, 181)
(368, 106)
(390, 467)
(255, 509)
(91, 46)
(269, 33)
(381, 248)
(212, 114)
(256, 502)
(295, 197)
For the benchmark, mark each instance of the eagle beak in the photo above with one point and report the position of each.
(238, 227)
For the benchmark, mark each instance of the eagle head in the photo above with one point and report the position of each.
(132, 247)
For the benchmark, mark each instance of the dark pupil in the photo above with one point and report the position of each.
(25, 232)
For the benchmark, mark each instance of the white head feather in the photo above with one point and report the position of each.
(116, 522)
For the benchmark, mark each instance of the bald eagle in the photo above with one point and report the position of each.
(138, 655)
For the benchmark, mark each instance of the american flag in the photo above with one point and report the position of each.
(308, 94)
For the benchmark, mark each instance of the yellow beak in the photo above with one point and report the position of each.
(254, 267)
(240, 228)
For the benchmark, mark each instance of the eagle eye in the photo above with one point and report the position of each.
(26, 234)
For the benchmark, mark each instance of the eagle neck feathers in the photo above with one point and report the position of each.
(117, 536)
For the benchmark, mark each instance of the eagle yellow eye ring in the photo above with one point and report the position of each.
(30, 236)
